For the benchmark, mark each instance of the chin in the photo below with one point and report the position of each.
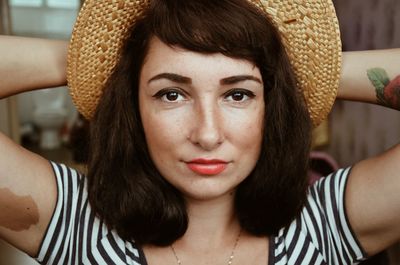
(208, 193)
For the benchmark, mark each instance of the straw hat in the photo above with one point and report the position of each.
(309, 28)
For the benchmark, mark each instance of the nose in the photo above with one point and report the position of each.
(207, 130)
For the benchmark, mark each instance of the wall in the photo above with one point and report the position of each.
(56, 23)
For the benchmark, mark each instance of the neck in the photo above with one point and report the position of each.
(211, 222)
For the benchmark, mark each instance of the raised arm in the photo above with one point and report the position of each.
(360, 67)
(373, 191)
(29, 63)
(27, 184)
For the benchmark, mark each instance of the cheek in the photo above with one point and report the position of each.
(163, 133)
(250, 142)
(250, 145)
(247, 130)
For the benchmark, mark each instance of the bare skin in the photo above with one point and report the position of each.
(198, 247)
(21, 212)
(375, 217)
(372, 199)
(43, 65)
(387, 91)
(26, 182)
(355, 84)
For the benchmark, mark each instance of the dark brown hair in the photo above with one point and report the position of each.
(126, 190)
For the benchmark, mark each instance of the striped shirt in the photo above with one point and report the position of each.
(320, 235)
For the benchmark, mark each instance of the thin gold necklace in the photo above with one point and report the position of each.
(230, 260)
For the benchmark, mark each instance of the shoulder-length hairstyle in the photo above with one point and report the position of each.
(125, 188)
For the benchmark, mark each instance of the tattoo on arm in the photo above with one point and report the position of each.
(387, 91)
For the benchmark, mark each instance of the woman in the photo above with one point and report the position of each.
(199, 143)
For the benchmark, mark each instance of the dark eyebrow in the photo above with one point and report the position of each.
(239, 78)
(173, 77)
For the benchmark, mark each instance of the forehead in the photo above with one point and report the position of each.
(164, 58)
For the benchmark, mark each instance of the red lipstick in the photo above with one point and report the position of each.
(207, 166)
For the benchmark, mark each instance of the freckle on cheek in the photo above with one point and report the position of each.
(17, 213)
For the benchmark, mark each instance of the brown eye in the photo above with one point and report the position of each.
(172, 96)
(238, 96)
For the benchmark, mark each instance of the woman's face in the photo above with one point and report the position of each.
(203, 117)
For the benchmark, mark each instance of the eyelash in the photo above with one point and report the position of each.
(245, 92)
(164, 92)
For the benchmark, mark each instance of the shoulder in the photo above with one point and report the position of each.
(75, 234)
(321, 233)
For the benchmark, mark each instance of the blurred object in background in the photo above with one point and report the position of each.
(79, 140)
(320, 136)
(5, 21)
(50, 113)
(8, 115)
(321, 165)
(52, 19)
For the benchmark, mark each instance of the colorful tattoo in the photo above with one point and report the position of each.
(387, 92)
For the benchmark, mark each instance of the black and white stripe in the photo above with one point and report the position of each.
(320, 235)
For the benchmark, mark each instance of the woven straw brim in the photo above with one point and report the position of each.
(309, 29)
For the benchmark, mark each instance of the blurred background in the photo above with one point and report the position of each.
(353, 132)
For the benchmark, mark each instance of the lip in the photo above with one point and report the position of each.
(207, 167)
